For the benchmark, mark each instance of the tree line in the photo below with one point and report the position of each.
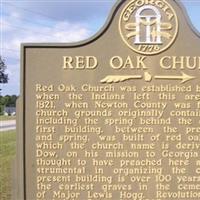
(7, 101)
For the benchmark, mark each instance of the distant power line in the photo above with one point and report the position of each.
(29, 21)
(34, 23)
(31, 11)
(22, 28)
(8, 49)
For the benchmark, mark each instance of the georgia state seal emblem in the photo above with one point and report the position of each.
(148, 26)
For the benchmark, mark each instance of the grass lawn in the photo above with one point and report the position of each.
(5, 118)
(7, 154)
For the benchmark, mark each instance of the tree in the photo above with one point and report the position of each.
(3, 75)
(7, 101)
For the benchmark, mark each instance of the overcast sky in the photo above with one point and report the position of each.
(55, 21)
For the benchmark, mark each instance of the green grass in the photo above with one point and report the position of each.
(7, 154)
(5, 118)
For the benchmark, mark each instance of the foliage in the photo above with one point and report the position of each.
(1, 109)
(7, 101)
(3, 75)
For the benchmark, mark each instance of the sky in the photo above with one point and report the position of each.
(54, 21)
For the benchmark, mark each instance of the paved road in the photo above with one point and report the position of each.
(7, 125)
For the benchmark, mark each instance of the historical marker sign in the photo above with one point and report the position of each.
(117, 116)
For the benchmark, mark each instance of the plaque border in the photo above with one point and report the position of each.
(21, 192)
